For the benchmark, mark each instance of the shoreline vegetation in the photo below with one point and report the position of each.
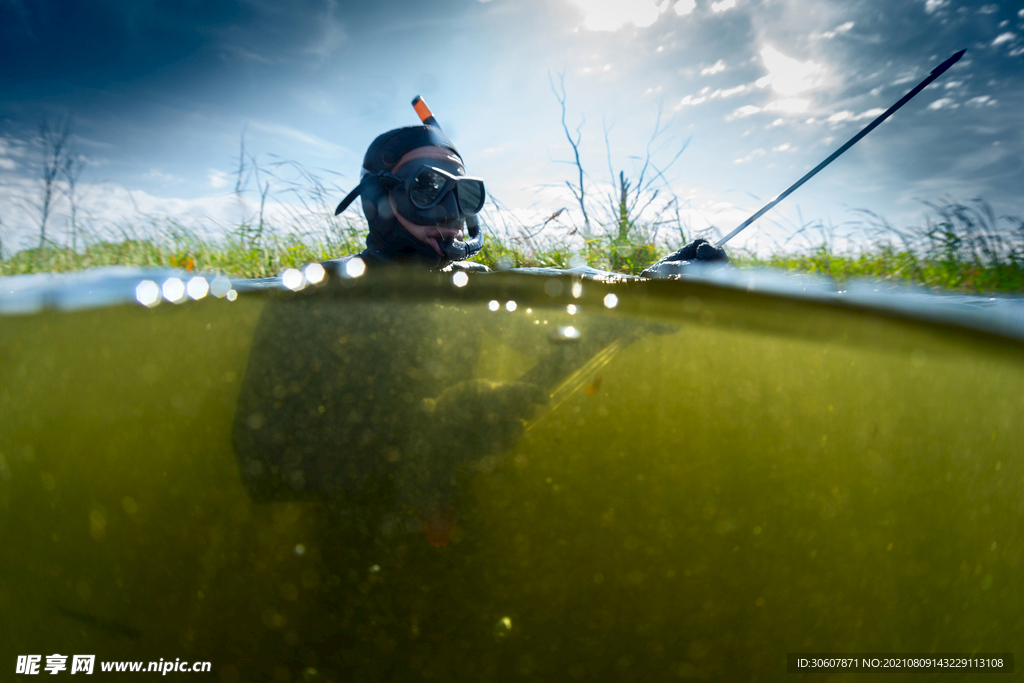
(960, 248)
(623, 226)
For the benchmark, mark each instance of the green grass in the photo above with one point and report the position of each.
(963, 248)
(246, 252)
(887, 263)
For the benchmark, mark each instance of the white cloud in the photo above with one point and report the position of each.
(781, 148)
(789, 105)
(1003, 38)
(981, 101)
(839, 117)
(750, 157)
(684, 7)
(743, 112)
(704, 96)
(869, 114)
(838, 30)
(218, 179)
(688, 101)
(157, 174)
(790, 76)
(943, 103)
(713, 69)
(931, 6)
(8, 164)
(723, 5)
(10, 147)
(611, 15)
(906, 77)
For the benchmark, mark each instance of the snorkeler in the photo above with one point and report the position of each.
(418, 201)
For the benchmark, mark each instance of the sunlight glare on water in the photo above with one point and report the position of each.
(220, 286)
(314, 273)
(355, 267)
(174, 290)
(148, 293)
(293, 279)
(198, 287)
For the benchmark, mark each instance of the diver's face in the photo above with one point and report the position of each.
(442, 222)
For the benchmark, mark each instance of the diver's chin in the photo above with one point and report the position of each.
(434, 235)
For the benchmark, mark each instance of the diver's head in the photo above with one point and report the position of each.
(417, 199)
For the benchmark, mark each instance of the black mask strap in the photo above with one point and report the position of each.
(349, 198)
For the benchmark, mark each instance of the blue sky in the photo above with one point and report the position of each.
(757, 91)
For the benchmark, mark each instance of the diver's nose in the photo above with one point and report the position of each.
(451, 204)
(452, 215)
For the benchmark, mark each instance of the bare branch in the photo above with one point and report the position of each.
(53, 142)
(580, 192)
(72, 170)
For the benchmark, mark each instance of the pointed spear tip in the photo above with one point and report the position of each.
(949, 62)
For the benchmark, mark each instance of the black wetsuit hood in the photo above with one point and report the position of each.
(387, 241)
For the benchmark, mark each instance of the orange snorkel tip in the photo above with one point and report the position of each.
(423, 111)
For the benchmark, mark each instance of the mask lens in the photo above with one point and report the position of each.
(426, 187)
(471, 196)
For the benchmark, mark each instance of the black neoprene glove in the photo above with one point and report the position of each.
(699, 250)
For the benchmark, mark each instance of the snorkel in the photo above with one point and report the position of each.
(456, 250)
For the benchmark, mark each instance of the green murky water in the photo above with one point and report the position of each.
(707, 479)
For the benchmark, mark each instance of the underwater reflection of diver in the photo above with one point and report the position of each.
(380, 405)
(365, 402)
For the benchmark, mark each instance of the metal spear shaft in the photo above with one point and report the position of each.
(936, 72)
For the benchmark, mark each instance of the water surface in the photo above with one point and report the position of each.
(690, 483)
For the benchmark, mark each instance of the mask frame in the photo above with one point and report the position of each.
(424, 173)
